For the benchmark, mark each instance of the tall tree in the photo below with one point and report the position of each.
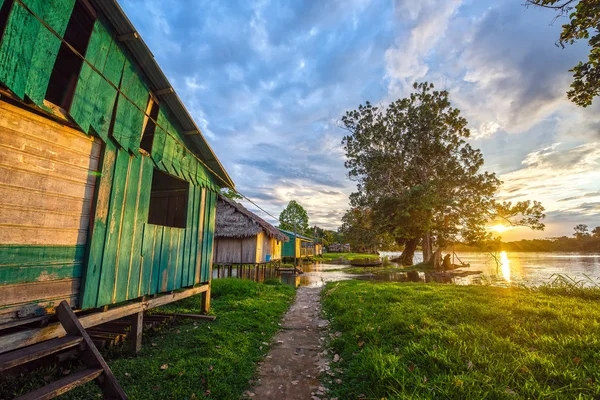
(417, 173)
(581, 231)
(584, 23)
(294, 213)
(596, 232)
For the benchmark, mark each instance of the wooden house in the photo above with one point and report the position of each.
(318, 249)
(302, 246)
(108, 189)
(242, 237)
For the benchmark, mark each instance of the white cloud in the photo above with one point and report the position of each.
(405, 61)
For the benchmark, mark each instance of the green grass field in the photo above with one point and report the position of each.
(407, 341)
(214, 360)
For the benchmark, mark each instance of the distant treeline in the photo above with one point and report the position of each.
(564, 243)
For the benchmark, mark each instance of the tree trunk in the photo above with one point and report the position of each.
(427, 247)
(406, 258)
(437, 259)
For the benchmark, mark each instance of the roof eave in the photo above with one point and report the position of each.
(123, 26)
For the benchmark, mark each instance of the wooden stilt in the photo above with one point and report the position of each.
(137, 326)
(206, 300)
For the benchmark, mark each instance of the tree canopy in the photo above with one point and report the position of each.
(294, 212)
(231, 194)
(420, 178)
(584, 23)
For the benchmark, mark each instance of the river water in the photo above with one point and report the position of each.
(504, 269)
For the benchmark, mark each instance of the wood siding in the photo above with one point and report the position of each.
(249, 250)
(129, 257)
(47, 182)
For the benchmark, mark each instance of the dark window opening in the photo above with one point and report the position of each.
(168, 200)
(67, 66)
(4, 13)
(149, 125)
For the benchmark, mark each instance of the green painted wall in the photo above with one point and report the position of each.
(26, 263)
(128, 257)
(287, 249)
(125, 257)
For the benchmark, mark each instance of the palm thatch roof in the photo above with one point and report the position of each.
(235, 221)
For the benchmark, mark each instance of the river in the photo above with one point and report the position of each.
(525, 268)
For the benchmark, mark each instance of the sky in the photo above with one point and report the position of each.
(267, 82)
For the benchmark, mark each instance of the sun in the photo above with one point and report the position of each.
(499, 228)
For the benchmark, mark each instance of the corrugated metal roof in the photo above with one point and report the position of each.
(158, 81)
(297, 235)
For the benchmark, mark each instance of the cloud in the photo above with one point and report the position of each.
(583, 196)
(425, 22)
(266, 82)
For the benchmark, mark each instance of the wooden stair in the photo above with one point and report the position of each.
(76, 339)
(63, 385)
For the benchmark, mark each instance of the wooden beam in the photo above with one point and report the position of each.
(28, 337)
(191, 132)
(161, 92)
(128, 36)
(193, 316)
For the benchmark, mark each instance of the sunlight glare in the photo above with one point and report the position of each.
(500, 228)
(505, 265)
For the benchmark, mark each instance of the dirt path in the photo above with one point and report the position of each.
(291, 369)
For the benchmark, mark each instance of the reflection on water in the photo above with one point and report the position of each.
(505, 265)
(499, 269)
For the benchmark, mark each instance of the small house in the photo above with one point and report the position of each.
(298, 246)
(108, 189)
(242, 237)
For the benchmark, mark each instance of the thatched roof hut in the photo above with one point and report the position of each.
(242, 237)
(236, 221)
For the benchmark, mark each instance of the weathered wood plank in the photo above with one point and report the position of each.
(39, 273)
(200, 246)
(55, 13)
(165, 259)
(137, 272)
(11, 215)
(24, 255)
(174, 259)
(15, 235)
(37, 351)
(91, 356)
(157, 262)
(17, 48)
(86, 97)
(45, 131)
(43, 202)
(91, 280)
(63, 385)
(147, 259)
(29, 292)
(28, 337)
(30, 144)
(125, 253)
(109, 266)
(188, 236)
(31, 180)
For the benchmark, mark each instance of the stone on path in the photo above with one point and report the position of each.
(292, 368)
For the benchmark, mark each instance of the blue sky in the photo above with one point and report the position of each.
(268, 81)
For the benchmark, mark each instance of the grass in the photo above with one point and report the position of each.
(405, 341)
(346, 256)
(215, 360)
